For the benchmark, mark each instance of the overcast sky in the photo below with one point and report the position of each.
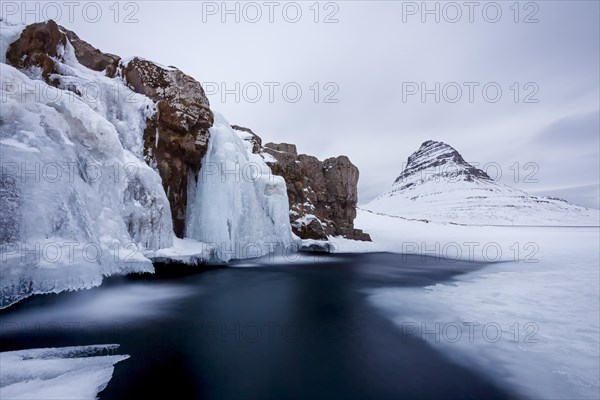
(371, 58)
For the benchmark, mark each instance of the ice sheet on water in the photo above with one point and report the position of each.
(544, 293)
(57, 373)
(535, 326)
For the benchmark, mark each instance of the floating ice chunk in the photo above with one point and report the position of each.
(79, 372)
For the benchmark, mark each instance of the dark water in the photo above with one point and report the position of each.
(297, 330)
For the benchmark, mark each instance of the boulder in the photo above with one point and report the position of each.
(38, 47)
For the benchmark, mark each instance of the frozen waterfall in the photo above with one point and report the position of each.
(238, 206)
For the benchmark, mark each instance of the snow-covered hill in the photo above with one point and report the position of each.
(438, 185)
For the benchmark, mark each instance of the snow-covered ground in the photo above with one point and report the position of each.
(57, 373)
(532, 322)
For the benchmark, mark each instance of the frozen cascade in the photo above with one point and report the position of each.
(239, 206)
(77, 200)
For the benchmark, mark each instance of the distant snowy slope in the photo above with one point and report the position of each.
(438, 185)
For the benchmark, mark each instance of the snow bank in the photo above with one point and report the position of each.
(238, 206)
(57, 373)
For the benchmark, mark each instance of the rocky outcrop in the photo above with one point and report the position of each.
(176, 137)
(249, 136)
(39, 46)
(322, 194)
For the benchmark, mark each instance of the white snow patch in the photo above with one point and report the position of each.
(187, 251)
(10, 33)
(268, 158)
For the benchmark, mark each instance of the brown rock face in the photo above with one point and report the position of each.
(322, 194)
(36, 47)
(176, 137)
(38, 44)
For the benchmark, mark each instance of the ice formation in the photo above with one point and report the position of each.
(78, 201)
(238, 205)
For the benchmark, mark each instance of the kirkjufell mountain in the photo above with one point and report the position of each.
(438, 185)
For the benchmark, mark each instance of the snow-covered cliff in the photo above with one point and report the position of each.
(81, 197)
